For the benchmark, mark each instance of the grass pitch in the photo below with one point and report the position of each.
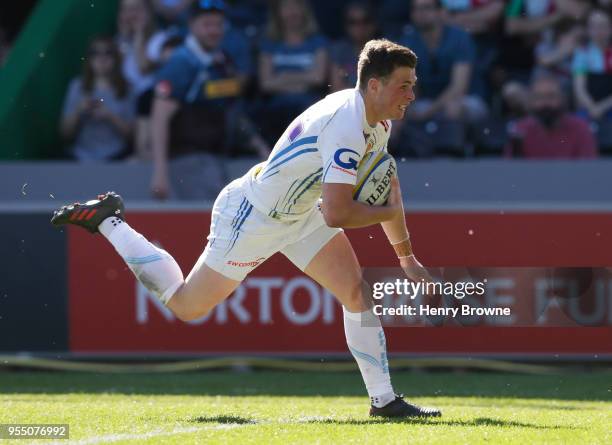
(308, 407)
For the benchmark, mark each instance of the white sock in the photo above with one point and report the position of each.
(366, 341)
(153, 267)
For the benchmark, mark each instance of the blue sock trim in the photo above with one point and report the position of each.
(367, 357)
(143, 260)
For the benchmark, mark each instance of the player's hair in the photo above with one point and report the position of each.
(379, 58)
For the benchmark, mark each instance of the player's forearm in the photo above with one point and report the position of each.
(356, 214)
(397, 234)
(395, 228)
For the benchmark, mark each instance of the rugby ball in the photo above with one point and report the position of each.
(374, 174)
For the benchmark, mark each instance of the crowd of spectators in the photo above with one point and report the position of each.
(183, 82)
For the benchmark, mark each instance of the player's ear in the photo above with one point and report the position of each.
(373, 84)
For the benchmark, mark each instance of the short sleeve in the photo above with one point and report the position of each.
(342, 145)
(174, 78)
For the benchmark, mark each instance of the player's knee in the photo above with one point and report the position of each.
(190, 314)
(183, 309)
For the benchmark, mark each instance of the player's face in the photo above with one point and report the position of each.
(397, 93)
(208, 29)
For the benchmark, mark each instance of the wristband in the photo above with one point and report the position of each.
(403, 248)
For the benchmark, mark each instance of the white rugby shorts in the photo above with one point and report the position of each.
(241, 237)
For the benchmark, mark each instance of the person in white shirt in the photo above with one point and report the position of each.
(273, 208)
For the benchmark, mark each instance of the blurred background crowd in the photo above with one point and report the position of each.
(515, 78)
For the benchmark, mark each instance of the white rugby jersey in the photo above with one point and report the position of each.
(323, 144)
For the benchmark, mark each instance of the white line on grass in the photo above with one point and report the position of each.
(156, 433)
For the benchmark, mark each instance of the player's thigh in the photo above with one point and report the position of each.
(335, 267)
(203, 289)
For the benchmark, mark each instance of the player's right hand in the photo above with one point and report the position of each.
(160, 184)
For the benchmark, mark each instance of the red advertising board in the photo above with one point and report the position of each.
(278, 310)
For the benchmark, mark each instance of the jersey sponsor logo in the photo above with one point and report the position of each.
(246, 263)
(343, 158)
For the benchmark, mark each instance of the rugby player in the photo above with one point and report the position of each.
(275, 208)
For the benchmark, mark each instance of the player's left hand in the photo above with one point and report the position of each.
(415, 270)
